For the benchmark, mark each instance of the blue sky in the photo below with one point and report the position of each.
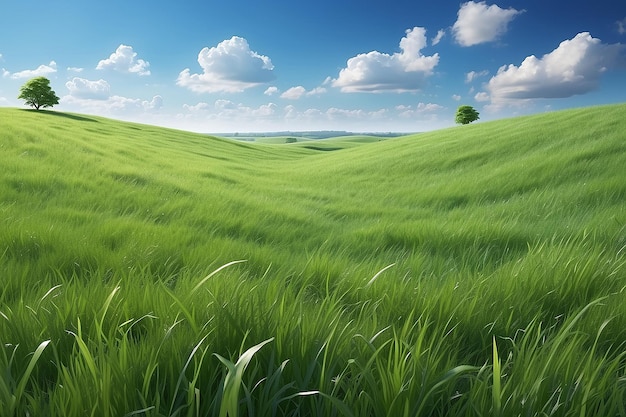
(273, 65)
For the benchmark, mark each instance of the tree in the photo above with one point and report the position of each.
(466, 114)
(37, 93)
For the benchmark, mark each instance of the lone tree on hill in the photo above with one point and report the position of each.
(37, 93)
(466, 114)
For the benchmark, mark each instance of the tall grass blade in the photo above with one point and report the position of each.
(21, 386)
(181, 375)
(205, 279)
(375, 277)
(497, 389)
(232, 382)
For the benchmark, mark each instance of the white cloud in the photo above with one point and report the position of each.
(472, 75)
(456, 97)
(335, 113)
(123, 107)
(265, 110)
(316, 91)
(375, 72)
(478, 23)
(482, 96)
(271, 91)
(225, 115)
(196, 107)
(294, 93)
(621, 27)
(86, 89)
(42, 70)
(440, 34)
(95, 97)
(419, 110)
(428, 107)
(222, 104)
(75, 69)
(573, 68)
(231, 66)
(155, 104)
(124, 60)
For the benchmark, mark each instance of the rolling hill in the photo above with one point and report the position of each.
(477, 270)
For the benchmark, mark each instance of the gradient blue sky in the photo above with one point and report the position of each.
(252, 66)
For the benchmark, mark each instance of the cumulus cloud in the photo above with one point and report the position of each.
(86, 89)
(196, 107)
(621, 27)
(42, 70)
(95, 97)
(75, 69)
(419, 110)
(428, 107)
(440, 34)
(295, 93)
(335, 113)
(478, 23)
(316, 91)
(227, 111)
(124, 107)
(472, 75)
(155, 104)
(456, 97)
(375, 72)
(271, 91)
(573, 68)
(124, 60)
(222, 104)
(231, 66)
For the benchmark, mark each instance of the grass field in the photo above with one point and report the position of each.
(473, 271)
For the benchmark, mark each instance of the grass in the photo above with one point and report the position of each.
(478, 270)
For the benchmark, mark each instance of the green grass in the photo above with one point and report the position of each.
(478, 270)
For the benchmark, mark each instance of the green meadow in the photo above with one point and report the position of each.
(473, 271)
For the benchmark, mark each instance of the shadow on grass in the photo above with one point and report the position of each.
(60, 114)
(320, 148)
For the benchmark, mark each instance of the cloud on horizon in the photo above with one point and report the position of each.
(124, 60)
(376, 72)
(231, 66)
(119, 106)
(85, 89)
(42, 70)
(419, 110)
(573, 68)
(478, 23)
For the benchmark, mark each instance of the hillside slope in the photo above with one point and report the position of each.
(535, 178)
(377, 274)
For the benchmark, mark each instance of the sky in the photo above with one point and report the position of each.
(282, 65)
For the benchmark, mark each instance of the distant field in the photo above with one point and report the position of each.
(346, 140)
(474, 271)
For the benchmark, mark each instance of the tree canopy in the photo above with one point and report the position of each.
(466, 114)
(38, 93)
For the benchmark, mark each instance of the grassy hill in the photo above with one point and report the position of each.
(478, 270)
